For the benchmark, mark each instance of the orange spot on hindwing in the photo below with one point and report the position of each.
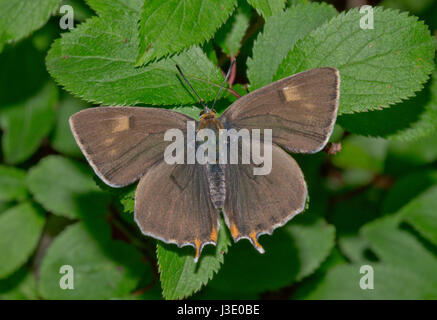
(255, 242)
(197, 244)
(214, 235)
(234, 231)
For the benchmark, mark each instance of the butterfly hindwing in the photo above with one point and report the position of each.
(121, 143)
(172, 203)
(301, 110)
(258, 204)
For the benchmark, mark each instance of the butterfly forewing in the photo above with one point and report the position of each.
(301, 110)
(121, 143)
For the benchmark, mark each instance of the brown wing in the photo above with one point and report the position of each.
(258, 204)
(121, 143)
(301, 110)
(172, 203)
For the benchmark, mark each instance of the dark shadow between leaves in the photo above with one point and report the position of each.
(23, 72)
(13, 281)
(92, 210)
(388, 121)
(247, 271)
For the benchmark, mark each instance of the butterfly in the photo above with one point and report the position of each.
(181, 203)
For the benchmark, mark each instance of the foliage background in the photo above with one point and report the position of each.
(372, 203)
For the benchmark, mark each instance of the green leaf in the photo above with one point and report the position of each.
(422, 215)
(173, 25)
(361, 153)
(354, 248)
(294, 23)
(291, 253)
(26, 124)
(232, 32)
(377, 67)
(308, 285)
(180, 275)
(19, 286)
(20, 18)
(12, 184)
(267, 8)
(102, 268)
(66, 187)
(191, 111)
(409, 120)
(20, 230)
(315, 240)
(96, 61)
(103, 7)
(401, 249)
(62, 139)
(343, 283)
(127, 199)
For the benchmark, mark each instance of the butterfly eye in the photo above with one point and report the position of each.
(202, 113)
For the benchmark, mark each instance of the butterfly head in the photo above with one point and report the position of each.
(207, 114)
(208, 119)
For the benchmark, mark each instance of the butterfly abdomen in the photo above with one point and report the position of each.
(217, 187)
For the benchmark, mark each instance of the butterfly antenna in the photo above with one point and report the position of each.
(186, 80)
(224, 83)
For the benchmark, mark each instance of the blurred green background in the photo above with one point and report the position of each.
(374, 203)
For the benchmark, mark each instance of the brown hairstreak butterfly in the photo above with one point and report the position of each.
(181, 203)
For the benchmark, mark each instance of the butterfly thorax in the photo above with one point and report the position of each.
(208, 119)
(214, 172)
